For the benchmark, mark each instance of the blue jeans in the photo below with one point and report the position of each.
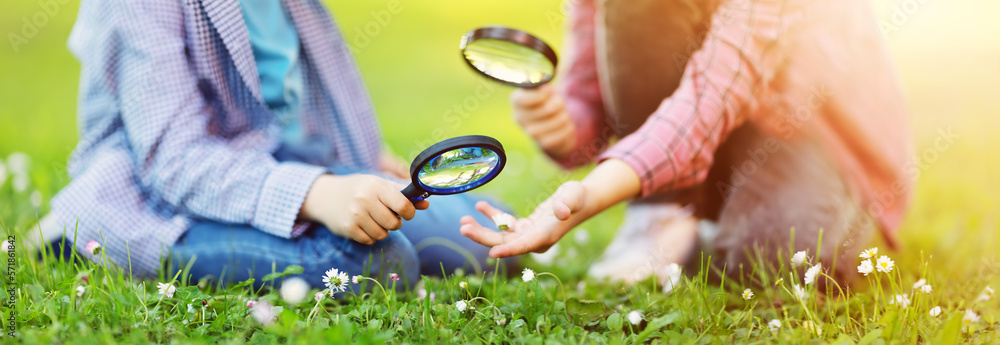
(425, 245)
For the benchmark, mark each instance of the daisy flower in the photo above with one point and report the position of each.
(926, 288)
(799, 292)
(166, 290)
(920, 283)
(356, 279)
(80, 289)
(463, 285)
(7, 246)
(799, 258)
(866, 267)
(393, 276)
(673, 272)
(747, 294)
(635, 317)
(935, 311)
(318, 296)
(970, 316)
(870, 253)
(250, 303)
(294, 290)
(774, 325)
(527, 275)
(902, 301)
(884, 264)
(335, 280)
(986, 294)
(501, 321)
(93, 247)
(461, 305)
(504, 221)
(263, 312)
(811, 273)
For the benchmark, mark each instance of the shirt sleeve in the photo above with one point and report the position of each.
(581, 89)
(674, 148)
(179, 153)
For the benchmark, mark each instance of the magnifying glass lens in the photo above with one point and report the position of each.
(459, 167)
(509, 61)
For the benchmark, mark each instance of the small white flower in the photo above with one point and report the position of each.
(504, 221)
(934, 312)
(335, 280)
(747, 294)
(988, 290)
(902, 301)
(866, 267)
(673, 272)
(250, 304)
(394, 276)
(463, 285)
(93, 247)
(926, 288)
(799, 258)
(501, 321)
(970, 316)
(811, 273)
(461, 305)
(80, 289)
(166, 290)
(356, 279)
(920, 283)
(527, 275)
(581, 236)
(870, 253)
(263, 312)
(884, 264)
(294, 290)
(35, 199)
(774, 325)
(318, 296)
(799, 292)
(190, 309)
(6, 246)
(635, 317)
(985, 295)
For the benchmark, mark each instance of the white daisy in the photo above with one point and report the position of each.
(811, 273)
(294, 290)
(250, 303)
(356, 279)
(673, 272)
(866, 267)
(902, 301)
(263, 312)
(463, 285)
(7, 246)
(884, 264)
(80, 289)
(985, 295)
(747, 294)
(934, 312)
(634, 317)
(335, 280)
(504, 221)
(93, 247)
(501, 321)
(166, 289)
(926, 288)
(799, 292)
(870, 253)
(774, 325)
(799, 258)
(970, 316)
(461, 305)
(318, 296)
(919, 283)
(527, 275)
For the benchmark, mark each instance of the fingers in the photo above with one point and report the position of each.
(396, 201)
(518, 246)
(530, 98)
(487, 209)
(567, 200)
(487, 237)
(422, 204)
(386, 218)
(374, 231)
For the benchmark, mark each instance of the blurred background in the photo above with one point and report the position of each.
(947, 53)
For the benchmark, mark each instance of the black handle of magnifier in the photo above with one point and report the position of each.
(414, 193)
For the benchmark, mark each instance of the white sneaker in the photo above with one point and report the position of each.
(652, 237)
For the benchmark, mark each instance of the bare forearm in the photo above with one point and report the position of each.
(611, 182)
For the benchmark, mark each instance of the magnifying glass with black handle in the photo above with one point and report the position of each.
(455, 165)
(509, 56)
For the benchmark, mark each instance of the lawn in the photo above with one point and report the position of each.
(948, 56)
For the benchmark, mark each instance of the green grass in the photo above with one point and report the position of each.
(947, 59)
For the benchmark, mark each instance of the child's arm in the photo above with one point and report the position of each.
(609, 183)
(360, 207)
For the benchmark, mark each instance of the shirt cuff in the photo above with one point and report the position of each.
(282, 196)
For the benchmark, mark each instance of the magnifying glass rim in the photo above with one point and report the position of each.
(479, 141)
(514, 36)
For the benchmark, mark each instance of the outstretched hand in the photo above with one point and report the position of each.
(543, 228)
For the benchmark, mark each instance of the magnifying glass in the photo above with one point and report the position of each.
(510, 56)
(455, 166)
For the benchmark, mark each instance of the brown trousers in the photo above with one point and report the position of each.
(758, 188)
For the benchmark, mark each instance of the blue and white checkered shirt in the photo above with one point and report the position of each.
(174, 129)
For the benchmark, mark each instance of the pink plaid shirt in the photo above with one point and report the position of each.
(795, 69)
